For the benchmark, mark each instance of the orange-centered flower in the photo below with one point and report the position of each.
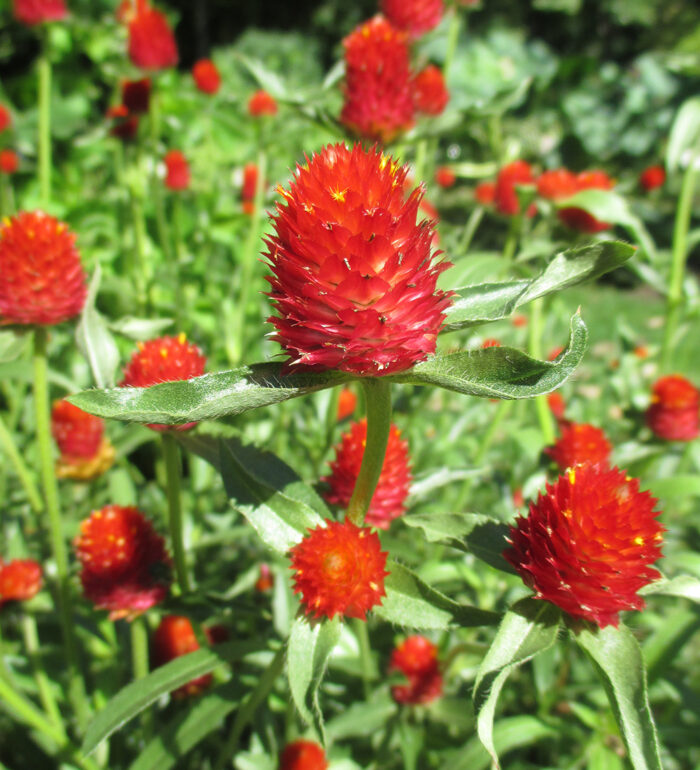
(33, 12)
(41, 277)
(303, 755)
(20, 580)
(339, 570)
(416, 658)
(673, 413)
(430, 94)
(354, 279)
(579, 444)
(587, 543)
(206, 76)
(415, 16)
(151, 42)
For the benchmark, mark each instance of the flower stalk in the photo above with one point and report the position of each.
(173, 471)
(44, 144)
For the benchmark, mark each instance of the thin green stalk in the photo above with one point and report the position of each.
(511, 245)
(378, 400)
(452, 39)
(177, 261)
(44, 144)
(469, 230)
(679, 255)
(544, 414)
(419, 160)
(139, 262)
(31, 645)
(4, 205)
(360, 628)
(173, 471)
(10, 449)
(139, 648)
(53, 511)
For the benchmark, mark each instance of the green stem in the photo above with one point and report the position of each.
(9, 447)
(4, 205)
(469, 230)
(511, 245)
(419, 160)
(452, 38)
(360, 628)
(378, 400)
(31, 644)
(544, 414)
(139, 232)
(53, 510)
(139, 648)
(173, 471)
(177, 262)
(679, 255)
(44, 145)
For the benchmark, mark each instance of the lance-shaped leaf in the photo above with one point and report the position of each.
(486, 302)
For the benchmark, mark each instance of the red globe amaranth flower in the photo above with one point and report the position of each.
(505, 196)
(414, 16)
(165, 359)
(125, 566)
(580, 444)
(9, 161)
(430, 94)
(578, 219)
(125, 125)
(20, 580)
(587, 544)
(557, 405)
(378, 100)
(485, 193)
(5, 118)
(555, 352)
(33, 12)
(339, 569)
(557, 184)
(262, 103)
(177, 170)
(41, 278)
(445, 176)
(152, 44)
(175, 637)
(85, 452)
(417, 659)
(347, 402)
(652, 177)
(673, 413)
(136, 95)
(389, 499)
(250, 183)
(266, 581)
(353, 278)
(206, 76)
(303, 755)
(519, 321)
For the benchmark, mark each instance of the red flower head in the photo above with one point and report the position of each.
(20, 580)
(445, 176)
(414, 16)
(587, 543)
(347, 401)
(206, 76)
(175, 637)
(250, 182)
(9, 161)
(557, 184)
(673, 413)
(152, 45)
(430, 95)
(136, 95)
(652, 177)
(85, 452)
(266, 581)
(5, 118)
(485, 193)
(578, 219)
(519, 320)
(165, 359)
(303, 755)
(262, 103)
(177, 170)
(417, 659)
(505, 196)
(354, 279)
(125, 567)
(339, 570)
(557, 405)
(33, 12)
(389, 499)
(491, 343)
(126, 125)
(41, 278)
(378, 101)
(580, 444)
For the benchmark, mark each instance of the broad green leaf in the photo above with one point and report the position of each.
(425, 485)
(441, 527)
(616, 656)
(492, 301)
(12, 343)
(140, 329)
(674, 487)
(685, 134)
(270, 81)
(360, 719)
(529, 627)
(661, 648)
(685, 586)
(308, 651)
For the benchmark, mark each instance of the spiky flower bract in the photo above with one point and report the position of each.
(20, 580)
(673, 413)
(262, 103)
(41, 278)
(414, 16)
(206, 76)
(173, 638)
(354, 279)
(580, 443)
(417, 659)
(339, 569)
(152, 44)
(125, 566)
(33, 12)
(378, 101)
(177, 170)
(430, 94)
(9, 161)
(85, 452)
(389, 498)
(588, 542)
(136, 95)
(652, 177)
(303, 755)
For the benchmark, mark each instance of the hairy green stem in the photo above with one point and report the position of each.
(378, 400)
(10, 449)
(452, 39)
(173, 471)
(44, 143)
(32, 646)
(544, 414)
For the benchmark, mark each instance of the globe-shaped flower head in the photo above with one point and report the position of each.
(152, 44)
(354, 278)
(415, 16)
(578, 444)
(32, 12)
(303, 755)
(417, 659)
(674, 413)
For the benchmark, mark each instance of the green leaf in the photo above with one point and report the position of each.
(492, 301)
(135, 697)
(674, 487)
(12, 344)
(685, 134)
(661, 648)
(685, 586)
(360, 719)
(529, 627)
(616, 656)
(308, 651)
(140, 329)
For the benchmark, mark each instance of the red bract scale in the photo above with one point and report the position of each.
(9, 161)
(505, 196)
(206, 76)
(165, 359)
(353, 278)
(579, 444)
(136, 95)
(151, 42)
(417, 659)
(32, 12)
(77, 433)
(587, 544)
(262, 103)
(378, 102)
(445, 176)
(389, 499)
(303, 755)
(347, 402)
(578, 219)
(491, 343)
(266, 581)
(125, 566)
(652, 177)
(339, 569)
(485, 193)
(20, 580)
(125, 125)
(41, 278)
(177, 171)
(673, 413)
(415, 16)
(430, 95)
(173, 638)
(250, 182)
(5, 118)
(557, 405)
